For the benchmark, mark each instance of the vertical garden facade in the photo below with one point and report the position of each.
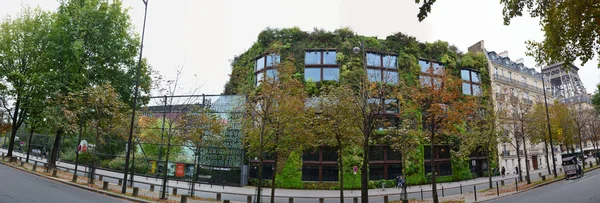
(323, 58)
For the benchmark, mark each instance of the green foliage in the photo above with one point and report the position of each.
(291, 174)
(141, 166)
(460, 167)
(415, 168)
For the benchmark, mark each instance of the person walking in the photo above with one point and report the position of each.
(400, 181)
(503, 171)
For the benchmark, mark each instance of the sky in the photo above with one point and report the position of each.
(201, 37)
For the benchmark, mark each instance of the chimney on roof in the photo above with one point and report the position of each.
(520, 61)
(503, 54)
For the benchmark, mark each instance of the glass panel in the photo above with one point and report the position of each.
(267, 171)
(425, 80)
(438, 69)
(390, 61)
(312, 57)
(424, 65)
(427, 152)
(376, 172)
(475, 76)
(312, 74)
(476, 90)
(259, 78)
(443, 152)
(376, 153)
(393, 155)
(310, 173)
(329, 155)
(465, 75)
(437, 82)
(331, 74)
(445, 168)
(329, 57)
(272, 74)
(374, 75)
(394, 171)
(311, 155)
(330, 173)
(260, 63)
(272, 59)
(391, 106)
(373, 59)
(466, 88)
(391, 77)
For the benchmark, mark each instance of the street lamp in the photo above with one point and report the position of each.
(135, 96)
(548, 119)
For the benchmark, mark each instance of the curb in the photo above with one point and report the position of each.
(132, 199)
(536, 186)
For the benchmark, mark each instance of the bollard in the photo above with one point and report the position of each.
(120, 182)
(74, 178)
(355, 200)
(502, 182)
(34, 167)
(105, 185)
(99, 177)
(135, 191)
(421, 193)
(226, 201)
(475, 192)
(54, 172)
(321, 200)
(249, 199)
(385, 199)
(442, 191)
(219, 196)
(516, 185)
(543, 178)
(183, 199)
(291, 200)
(175, 192)
(591, 164)
(151, 188)
(461, 189)
(497, 189)
(540, 175)
(22, 164)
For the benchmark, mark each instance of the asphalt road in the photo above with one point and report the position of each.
(18, 186)
(580, 190)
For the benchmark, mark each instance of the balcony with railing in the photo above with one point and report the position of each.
(505, 153)
(576, 99)
(518, 83)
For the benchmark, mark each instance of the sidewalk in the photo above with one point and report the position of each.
(284, 193)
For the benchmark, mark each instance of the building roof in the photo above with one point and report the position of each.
(506, 62)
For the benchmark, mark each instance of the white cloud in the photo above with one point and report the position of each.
(207, 34)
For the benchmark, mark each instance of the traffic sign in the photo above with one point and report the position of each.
(355, 168)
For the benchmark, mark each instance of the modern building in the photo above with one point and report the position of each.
(516, 88)
(321, 57)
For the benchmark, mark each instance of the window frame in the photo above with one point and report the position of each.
(470, 82)
(320, 163)
(265, 68)
(432, 77)
(382, 68)
(322, 65)
(385, 162)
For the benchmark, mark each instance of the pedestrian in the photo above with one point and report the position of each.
(503, 171)
(398, 181)
(516, 170)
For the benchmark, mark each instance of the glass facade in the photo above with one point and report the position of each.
(382, 68)
(321, 66)
(471, 82)
(265, 66)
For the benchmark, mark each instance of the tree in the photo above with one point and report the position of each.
(276, 119)
(579, 122)
(91, 42)
(540, 132)
(22, 43)
(337, 125)
(596, 98)
(520, 126)
(593, 130)
(442, 107)
(404, 138)
(571, 27)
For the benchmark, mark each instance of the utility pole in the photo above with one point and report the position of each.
(548, 120)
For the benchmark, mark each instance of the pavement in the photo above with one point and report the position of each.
(581, 190)
(376, 195)
(18, 186)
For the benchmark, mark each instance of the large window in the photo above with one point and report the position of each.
(320, 66)
(471, 84)
(382, 68)
(265, 67)
(320, 165)
(442, 157)
(431, 73)
(384, 163)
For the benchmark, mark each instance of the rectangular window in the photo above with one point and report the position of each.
(391, 106)
(374, 75)
(376, 172)
(391, 77)
(330, 173)
(424, 66)
(476, 90)
(272, 60)
(394, 155)
(312, 74)
(331, 74)
(465, 74)
(474, 76)
(376, 153)
(466, 88)
(312, 57)
(390, 61)
(311, 155)
(394, 170)
(373, 59)
(260, 63)
(310, 173)
(329, 155)
(272, 74)
(425, 80)
(259, 78)
(329, 57)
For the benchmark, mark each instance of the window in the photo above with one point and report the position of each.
(510, 76)
(320, 66)
(471, 82)
(390, 77)
(265, 66)
(373, 59)
(390, 61)
(391, 106)
(382, 68)
(496, 71)
(384, 163)
(442, 155)
(427, 78)
(320, 165)
(374, 75)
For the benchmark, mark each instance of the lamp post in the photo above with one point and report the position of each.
(548, 120)
(135, 96)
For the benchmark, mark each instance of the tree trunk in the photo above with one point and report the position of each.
(433, 166)
(526, 161)
(487, 151)
(364, 176)
(341, 169)
(405, 176)
(547, 160)
(14, 128)
(29, 144)
(581, 148)
(275, 163)
(55, 149)
(519, 161)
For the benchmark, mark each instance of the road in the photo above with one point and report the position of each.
(580, 190)
(18, 186)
